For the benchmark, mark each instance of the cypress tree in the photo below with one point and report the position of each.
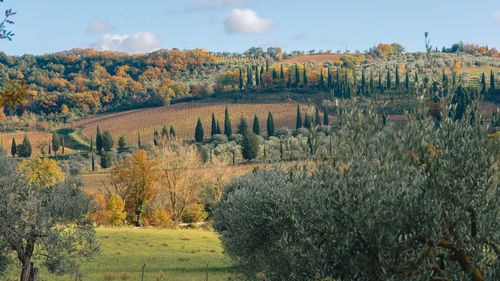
(172, 132)
(241, 80)
(483, 85)
(250, 146)
(372, 80)
(297, 76)
(492, 83)
(298, 120)
(257, 80)
(98, 140)
(106, 161)
(289, 81)
(243, 126)
(62, 144)
(330, 78)
(380, 87)
(227, 124)
(317, 118)
(416, 78)
(363, 79)
(91, 153)
(24, 149)
(326, 118)
(213, 129)
(122, 144)
(108, 142)
(388, 80)
(337, 78)
(50, 147)
(56, 142)
(218, 132)
(198, 132)
(249, 78)
(270, 124)
(13, 148)
(304, 73)
(261, 78)
(407, 81)
(274, 76)
(307, 121)
(321, 78)
(164, 132)
(398, 82)
(139, 144)
(256, 125)
(282, 73)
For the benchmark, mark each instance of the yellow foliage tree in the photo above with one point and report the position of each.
(116, 210)
(41, 172)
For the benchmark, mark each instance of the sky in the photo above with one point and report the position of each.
(235, 25)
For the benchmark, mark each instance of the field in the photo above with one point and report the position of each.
(36, 138)
(181, 255)
(183, 118)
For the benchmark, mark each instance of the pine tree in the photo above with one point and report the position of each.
(256, 125)
(227, 124)
(307, 122)
(107, 141)
(98, 140)
(297, 76)
(317, 117)
(213, 129)
(56, 142)
(326, 118)
(282, 73)
(242, 126)
(172, 132)
(122, 144)
(13, 148)
(198, 132)
(304, 74)
(298, 120)
(241, 80)
(250, 146)
(270, 124)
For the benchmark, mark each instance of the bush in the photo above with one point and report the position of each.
(194, 213)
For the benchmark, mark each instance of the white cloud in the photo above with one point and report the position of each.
(246, 21)
(497, 17)
(141, 42)
(198, 5)
(99, 27)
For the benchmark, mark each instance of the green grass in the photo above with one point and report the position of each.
(180, 255)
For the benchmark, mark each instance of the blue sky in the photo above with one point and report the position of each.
(235, 25)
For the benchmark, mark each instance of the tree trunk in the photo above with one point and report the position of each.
(25, 271)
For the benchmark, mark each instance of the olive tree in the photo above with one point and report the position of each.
(413, 203)
(43, 224)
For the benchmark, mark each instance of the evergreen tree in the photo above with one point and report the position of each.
(304, 74)
(388, 80)
(307, 122)
(249, 78)
(91, 153)
(250, 146)
(297, 76)
(267, 66)
(274, 76)
(330, 78)
(321, 78)
(416, 78)
(50, 147)
(24, 149)
(289, 81)
(317, 117)
(106, 161)
(363, 79)
(372, 81)
(380, 87)
(398, 82)
(257, 81)
(337, 78)
(172, 132)
(256, 125)
(122, 144)
(164, 132)
(242, 126)
(407, 81)
(241, 79)
(282, 73)
(326, 118)
(107, 141)
(56, 142)
(98, 140)
(213, 129)
(198, 133)
(13, 148)
(139, 143)
(298, 120)
(483, 85)
(460, 101)
(270, 124)
(156, 138)
(492, 84)
(62, 144)
(228, 131)
(219, 131)
(261, 78)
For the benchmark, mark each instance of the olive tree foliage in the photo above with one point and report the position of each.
(413, 203)
(45, 225)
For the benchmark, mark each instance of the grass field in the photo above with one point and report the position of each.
(181, 255)
(183, 118)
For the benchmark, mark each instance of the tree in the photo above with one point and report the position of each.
(4, 33)
(304, 74)
(172, 132)
(107, 141)
(297, 76)
(492, 90)
(407, 81)
(62, 144)
(13, 148)
(256, 125)
(298, 120)
(40, 173)
(227, 123)
(164, 132)
(270, 124)
(250, 146)
(198, 132)
(91, 154)
(242, 126)
(137, 177)
(317, 117)
(56, 142)
(24, 149)
(106, 160)
(326, 118)
(388, 82)
(307, 121)
(483, 85)
(179, 178)
(241, 80)
(213, 130)
(218, 129)
(139, 143)
(98, 140)
(49, 224)
(156, 138)
(122, 144)
(398, 82)
(282, 73)
(321, 78)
